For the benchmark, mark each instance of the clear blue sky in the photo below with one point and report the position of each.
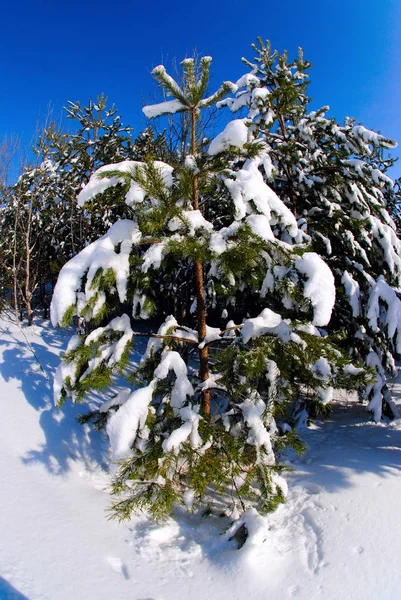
(57, 51)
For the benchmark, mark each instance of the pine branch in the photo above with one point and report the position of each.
(165, 337)
(227, 86)
(203, 81)
(161, 75)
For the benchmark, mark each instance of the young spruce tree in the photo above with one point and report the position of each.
(203, 414)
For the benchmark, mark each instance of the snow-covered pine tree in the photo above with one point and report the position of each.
(42, 205)
(333, 178)
(99, 137)
(201, 417)
(29, 224)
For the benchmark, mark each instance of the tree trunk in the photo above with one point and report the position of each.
(15, 283)
(28, 292)
(21, 304)
(45, 304)
(199, 285)
(292, 192)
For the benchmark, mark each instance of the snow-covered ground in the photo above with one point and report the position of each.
(337, 537)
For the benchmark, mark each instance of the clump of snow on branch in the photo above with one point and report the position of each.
(234, 134)
(193, 219)
(118, 324)
(188, 430)
(153, 257)
(391, 317)
(247, 185)
(319, 287)
(101, 254)
(163, 108)
(172, 361)
(129, 422)
(352, 290)
(66, 369)
(100, 182)
(253, 410)
(267, 321)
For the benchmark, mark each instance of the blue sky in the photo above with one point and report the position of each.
(54, 52)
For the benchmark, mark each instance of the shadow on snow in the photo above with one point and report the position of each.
(8, 592)
(349, 444)
(33, 365)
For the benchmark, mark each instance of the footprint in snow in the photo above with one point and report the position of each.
(118, 566)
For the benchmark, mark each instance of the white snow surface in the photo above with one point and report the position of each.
(336, 532)
(188, 430)
(260, 226)
(212, 334)
(371, 137)
(322, 369)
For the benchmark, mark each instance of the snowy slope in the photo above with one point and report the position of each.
(337, 537)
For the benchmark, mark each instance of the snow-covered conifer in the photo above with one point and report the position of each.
(333, 179)
(99, 137)
(202, 416)
(29, 226)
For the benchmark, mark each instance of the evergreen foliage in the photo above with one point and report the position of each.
(202, 418)
(41, 224)
(30, 219)
(99, 137)
(333, 177)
